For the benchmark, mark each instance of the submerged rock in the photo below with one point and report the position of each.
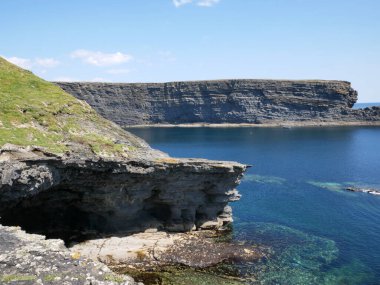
(364, 190)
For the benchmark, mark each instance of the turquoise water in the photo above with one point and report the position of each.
(365, 105)
(293, 198)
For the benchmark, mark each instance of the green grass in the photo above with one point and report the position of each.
(39, 113)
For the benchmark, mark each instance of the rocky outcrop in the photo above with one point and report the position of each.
(31, 259)
(68, 173)
(224, 101)
(154, 250)
(76, 199)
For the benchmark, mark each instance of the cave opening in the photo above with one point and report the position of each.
(75, 216)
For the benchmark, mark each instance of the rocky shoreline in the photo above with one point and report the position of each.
(32, 259)
(71, 176)
(266, 125)
(110, 206)
(154, 251)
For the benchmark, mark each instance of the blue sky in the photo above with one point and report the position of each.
(167, 40)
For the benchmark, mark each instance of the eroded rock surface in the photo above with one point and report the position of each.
(31, 259)
(225, 101)
(75, 199)
(154, 250)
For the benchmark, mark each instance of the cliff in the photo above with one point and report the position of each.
(224, 101)
(68, 173)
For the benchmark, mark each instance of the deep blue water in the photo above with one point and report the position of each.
(293, 198)
(365, 105)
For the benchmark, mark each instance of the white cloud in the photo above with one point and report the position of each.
(118, 71)
(27, 63)
(101, 59)
(46, 62)
(179, 3)
(202, 3)
(19, 61)
(207, 3)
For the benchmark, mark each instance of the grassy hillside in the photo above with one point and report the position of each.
(36, 112)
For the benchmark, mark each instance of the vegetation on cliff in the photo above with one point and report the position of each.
(34, 112)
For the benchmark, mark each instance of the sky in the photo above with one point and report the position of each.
(173, 40)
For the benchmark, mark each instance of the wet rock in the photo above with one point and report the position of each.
(364, 190)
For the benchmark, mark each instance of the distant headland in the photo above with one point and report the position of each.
(226, 102)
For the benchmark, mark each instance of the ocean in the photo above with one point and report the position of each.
(294, 199)
(365, 105)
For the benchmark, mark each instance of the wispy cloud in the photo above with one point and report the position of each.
(202, 3)
(19, 61)
(47, 62)
(207, 3)
(30, 63)
(179, 3)
(98, 58)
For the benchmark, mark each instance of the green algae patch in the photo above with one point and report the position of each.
(172, 275)
(113, 278)
(34, 112)
(17, 278)
(332, 186)
(264, 179)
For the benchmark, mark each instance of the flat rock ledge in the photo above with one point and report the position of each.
(31, 259)
(151, 251)
(103, 201)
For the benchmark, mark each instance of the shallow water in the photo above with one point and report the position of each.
(294, 199)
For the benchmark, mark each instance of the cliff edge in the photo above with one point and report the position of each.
(68, 173)
(260, 102)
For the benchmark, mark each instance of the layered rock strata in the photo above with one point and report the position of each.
(76, 199)
(68, 173)
(224, 101)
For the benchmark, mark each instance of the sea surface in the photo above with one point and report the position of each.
(294, 199)
(365, 105)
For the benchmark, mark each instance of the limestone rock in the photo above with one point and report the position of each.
(224, 101)
(149, 251)
(31, 259)
(76, 199)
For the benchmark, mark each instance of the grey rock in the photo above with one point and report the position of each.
(77, 199)
(224, 101)
(149, 251)
(31, 259)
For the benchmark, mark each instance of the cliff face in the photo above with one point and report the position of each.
(68, 173)
(75, 199)
(224, 101)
